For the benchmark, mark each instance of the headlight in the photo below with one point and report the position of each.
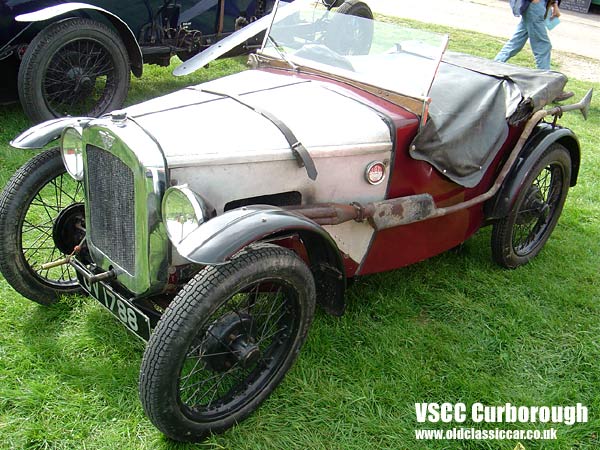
(183, 212)
(71, 145)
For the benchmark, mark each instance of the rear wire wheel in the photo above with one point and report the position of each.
(520, 236)
(226, 341)
(41, 217)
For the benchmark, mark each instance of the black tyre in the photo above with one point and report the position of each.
(355, 8)
(520, 236)
(226, 342)
(351, 36)
(41, 219)
(75, 67)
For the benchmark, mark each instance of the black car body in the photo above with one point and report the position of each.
(151, 31)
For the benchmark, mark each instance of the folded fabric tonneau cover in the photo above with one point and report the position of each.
(473, 102)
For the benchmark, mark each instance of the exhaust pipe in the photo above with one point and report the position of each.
(583, 106)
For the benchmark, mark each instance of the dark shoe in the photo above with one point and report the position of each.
(563, 96)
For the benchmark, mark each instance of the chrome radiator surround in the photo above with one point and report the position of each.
(128, 145)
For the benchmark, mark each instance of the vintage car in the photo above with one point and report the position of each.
(71, 58)
(211, 221)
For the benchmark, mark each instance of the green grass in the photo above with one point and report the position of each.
(455, 328)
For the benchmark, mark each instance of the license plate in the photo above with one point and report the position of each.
(135, 320)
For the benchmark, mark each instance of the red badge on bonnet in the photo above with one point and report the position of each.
(375, 173)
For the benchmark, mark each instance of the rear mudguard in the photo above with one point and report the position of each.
(131, 44)
(217, 240)
(543, 137)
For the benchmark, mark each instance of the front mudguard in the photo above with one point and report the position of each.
(40, 135)
(217, 240)
(542, 137)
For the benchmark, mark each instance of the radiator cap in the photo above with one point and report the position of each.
(118, 116)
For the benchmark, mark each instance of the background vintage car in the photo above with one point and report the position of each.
(74, 58)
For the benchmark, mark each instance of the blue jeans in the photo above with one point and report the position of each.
(531, 27)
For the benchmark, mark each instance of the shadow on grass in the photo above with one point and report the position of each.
(87, 346)
(47, 322)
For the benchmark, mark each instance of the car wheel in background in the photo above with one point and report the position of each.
(520, 236)
(226, 341)
(42, 218)
(333, 3)
(75, 67)
(361, 31)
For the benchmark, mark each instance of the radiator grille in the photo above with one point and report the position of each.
(111, 202)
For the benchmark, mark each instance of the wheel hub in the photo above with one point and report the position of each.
(230, 341)
(81, 83)
(69, 228)
(84, 83)
(533, 208)
(74, 72)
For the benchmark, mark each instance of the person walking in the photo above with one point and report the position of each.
(533, 27)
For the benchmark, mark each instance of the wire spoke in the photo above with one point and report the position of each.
(37, 235)
(219, 371)
(42, 227)
(78, 78)
(533, 220)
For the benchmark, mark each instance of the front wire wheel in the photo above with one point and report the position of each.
(520, 236)
(226, 341)
(41, 220)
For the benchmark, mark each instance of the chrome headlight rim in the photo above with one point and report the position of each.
(197, 206)
(73, 162)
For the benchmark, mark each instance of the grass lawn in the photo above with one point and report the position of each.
(455, 328)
